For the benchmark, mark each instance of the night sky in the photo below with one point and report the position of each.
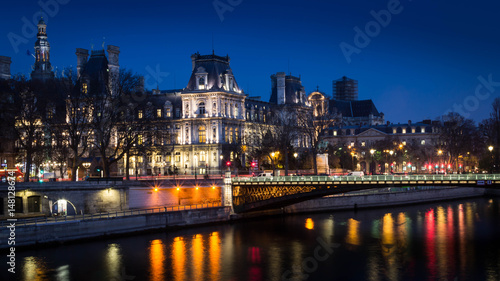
(426, 60)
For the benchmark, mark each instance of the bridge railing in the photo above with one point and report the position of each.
(429, 177)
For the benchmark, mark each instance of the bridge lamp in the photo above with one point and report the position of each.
(490, 148)
(440, 152)
(295, 155)
(372, 151)
(391, 152)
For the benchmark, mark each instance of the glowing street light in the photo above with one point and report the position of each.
(295, 155)
(490, 148)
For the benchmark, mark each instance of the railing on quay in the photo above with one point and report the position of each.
(106, 215)
(429, 177)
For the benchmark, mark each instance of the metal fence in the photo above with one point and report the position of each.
(369, 178)
(107, 215)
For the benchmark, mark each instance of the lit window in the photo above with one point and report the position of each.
(422, 130)
(140, 140)
(158, 113)
(201, 84)
(352, 144)
(177, 157)
(140, 114)
(169, 112)
(226, 135)
(335, 133)
(84, 88)
(203, 156)
(363, 143)
(404, 142)
(230, 135)
(236, 139)
(202, 134)
(422, 142)
(140, 159)
(158, 158)
(404, 131)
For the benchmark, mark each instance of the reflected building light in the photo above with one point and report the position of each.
(450, 241)
(197, 251)
(462, 241)
(309, 223)
(113, 261)
(296, 258)
(214, 253)
(389, 246)
(353, 236)
(179, 259)
(403, 231)
(62, 273)
(328, 227)
(430, 242)
(375, 231)
(275, 262)
(156, 260)
(34, 269)
(441, 238)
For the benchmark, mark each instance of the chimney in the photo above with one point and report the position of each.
(113, 63)
(5, 67)
(81, 58)
(409, 122)
(193, 60)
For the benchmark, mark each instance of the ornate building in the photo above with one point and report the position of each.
(42, 69)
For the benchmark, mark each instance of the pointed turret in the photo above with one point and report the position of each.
(42, 69)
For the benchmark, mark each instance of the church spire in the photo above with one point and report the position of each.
(42, 68)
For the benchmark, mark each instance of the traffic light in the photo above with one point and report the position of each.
(99, 169)
(253, 164)
(228, 163)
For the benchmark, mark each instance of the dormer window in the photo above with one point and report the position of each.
(85, 88)
(201, 79)
(158, 113)
(201, 83)
(140, 114)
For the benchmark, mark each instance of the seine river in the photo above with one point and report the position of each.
(453, 240)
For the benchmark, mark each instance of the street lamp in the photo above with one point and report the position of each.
(490, 148)
(371, 164)
(296, 164)
(86, 165)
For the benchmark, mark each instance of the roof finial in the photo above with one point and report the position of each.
(103, 40)
(317, 88)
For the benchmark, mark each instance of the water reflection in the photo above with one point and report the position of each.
(433, 242)
(156, 260)
(34, 269)
(179, 259)
(353, 236)
(113, 260)
(309, 223)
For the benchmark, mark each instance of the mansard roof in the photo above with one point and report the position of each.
(215, 67)
(355, 108)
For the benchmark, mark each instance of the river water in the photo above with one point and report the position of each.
(452, 240)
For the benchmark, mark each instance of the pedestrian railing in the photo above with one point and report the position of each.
(108, 215)
(369, 178)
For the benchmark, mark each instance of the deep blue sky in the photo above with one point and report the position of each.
(425, 61)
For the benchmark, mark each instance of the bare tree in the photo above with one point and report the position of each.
(113, 124)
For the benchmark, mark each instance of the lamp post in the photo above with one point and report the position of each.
(296, 164)
(220, 166)
(490, 148)
(272, 160)
(371, 164)
(86, 165)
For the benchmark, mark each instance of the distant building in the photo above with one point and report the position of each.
(345, 89)
(42, 69)
(7, 134)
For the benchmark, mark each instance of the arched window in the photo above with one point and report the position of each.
(201, 108)
(202, 135)
(203, 156)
